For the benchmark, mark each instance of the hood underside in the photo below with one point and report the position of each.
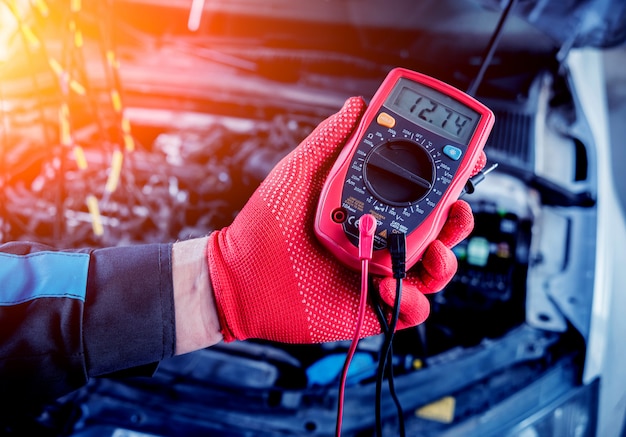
(571, 23)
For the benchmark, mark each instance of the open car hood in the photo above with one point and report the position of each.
(574, 23)
(571, 23)
(444, 38)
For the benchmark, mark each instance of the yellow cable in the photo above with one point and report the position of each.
(94, 211)
(79, 156)
(116, 169)
(116, 100)
(30, 37)
(65, 136)
(42, 7)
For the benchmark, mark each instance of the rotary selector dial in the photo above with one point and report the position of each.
(399, 172)
(399, 175)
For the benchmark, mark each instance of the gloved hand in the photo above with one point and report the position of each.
(273, 280)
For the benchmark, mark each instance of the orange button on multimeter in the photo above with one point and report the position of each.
(386, 120)
(406, 163)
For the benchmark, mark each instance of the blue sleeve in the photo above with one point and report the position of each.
(66, 316)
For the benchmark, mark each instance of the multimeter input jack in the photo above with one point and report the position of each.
(339, 215)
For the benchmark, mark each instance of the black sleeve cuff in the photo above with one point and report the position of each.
(129, 309)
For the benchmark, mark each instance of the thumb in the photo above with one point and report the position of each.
(308, 165)
(336, 129)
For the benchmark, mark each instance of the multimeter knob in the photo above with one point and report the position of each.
(399, 172)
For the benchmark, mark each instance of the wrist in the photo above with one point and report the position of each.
(197, 322)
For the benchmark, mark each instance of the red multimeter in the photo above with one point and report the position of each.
(406, 163)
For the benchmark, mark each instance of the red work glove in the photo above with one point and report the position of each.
(273, 280)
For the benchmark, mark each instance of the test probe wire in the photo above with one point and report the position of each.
(398, 251)
(397, 247)
(399, 273)
(367, 227)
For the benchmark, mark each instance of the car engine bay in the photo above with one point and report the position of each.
(508, 333)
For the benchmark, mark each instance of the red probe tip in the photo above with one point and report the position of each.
(367, 228)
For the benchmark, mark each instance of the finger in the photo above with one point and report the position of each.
(459, 224)
(436, 269)
(414, 306)
(480, 164)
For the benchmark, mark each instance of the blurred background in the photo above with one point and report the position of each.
(139, 121)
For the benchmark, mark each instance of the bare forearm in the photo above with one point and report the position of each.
(197, 323)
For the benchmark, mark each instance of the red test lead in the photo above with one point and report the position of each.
(367, 229)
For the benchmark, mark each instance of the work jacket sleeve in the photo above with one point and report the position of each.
(66, 316)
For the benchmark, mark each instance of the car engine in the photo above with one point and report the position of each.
(207, 125)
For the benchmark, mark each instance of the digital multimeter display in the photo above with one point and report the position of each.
(433, 110)
(406, 163)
